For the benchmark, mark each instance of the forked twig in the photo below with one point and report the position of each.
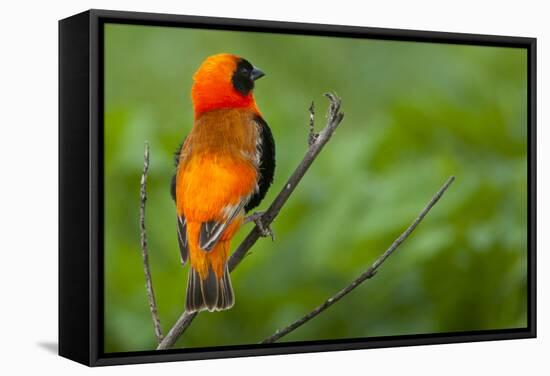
(369, 273)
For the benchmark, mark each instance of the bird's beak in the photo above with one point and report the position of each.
(256, 74)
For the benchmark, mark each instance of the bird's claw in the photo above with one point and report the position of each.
(265, 230)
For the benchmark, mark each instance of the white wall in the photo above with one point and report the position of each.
(28, 210)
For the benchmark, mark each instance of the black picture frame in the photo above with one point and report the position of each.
(81, 183)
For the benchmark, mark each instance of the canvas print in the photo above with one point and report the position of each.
(268, 188)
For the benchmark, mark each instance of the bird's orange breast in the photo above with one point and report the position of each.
(217, 164)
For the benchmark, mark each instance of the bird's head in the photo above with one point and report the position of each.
(224, 81)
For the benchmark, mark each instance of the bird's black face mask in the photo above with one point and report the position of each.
(244, 76)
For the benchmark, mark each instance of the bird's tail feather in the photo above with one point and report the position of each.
(211, 293)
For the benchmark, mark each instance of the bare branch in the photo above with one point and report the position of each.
(144, 250)
(334, 118)
(369, 273)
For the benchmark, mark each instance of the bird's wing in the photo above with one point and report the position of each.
(182, 239)
(265, 149)
(211, 231)
(181, 222)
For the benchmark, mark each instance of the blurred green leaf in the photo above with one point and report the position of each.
(415, 114)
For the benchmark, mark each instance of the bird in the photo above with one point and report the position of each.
(224, 168)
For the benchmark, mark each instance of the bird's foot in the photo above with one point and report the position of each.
(265, 229)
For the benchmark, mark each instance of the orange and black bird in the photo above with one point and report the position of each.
(224, 168)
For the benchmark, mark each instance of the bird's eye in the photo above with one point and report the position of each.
(244, 70)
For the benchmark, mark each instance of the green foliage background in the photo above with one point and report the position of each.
(415, 114)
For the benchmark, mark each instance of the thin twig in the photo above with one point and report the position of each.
(312, 135)
(334, 118)
(369, 273)
(144, 250)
